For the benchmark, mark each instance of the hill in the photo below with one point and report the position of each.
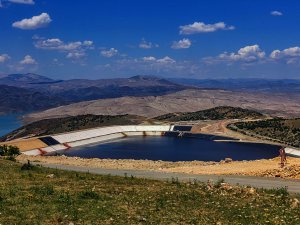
(16, 99)
(286, 131)
(71, 123)
(183, 101)
(217, 113)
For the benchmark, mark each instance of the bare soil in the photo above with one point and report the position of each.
(183, 101)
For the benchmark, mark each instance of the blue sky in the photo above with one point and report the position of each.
(117, 38)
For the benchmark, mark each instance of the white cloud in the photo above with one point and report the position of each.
(75, 55)
(290, 55)
(4, 58)
(246, 54)
(149, 59)
(152, 59)
(166, 60)
(181, 44)
(57, 44)
(276, 13)
(28, 60)
(33, 23)
(75, 50)
(200, 27)
(289, 52)
(147, 45)
(109, 53)
(26, 2)
(88, 43)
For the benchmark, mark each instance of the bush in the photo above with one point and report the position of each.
(219, 183)
(9, 150)
(27, 166)
(88, 194)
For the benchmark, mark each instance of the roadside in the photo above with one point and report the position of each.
(263, 168)
(266, 183)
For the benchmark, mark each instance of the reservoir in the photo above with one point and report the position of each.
(9, 123)
(174, 149)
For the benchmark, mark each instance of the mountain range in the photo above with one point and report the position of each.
(31, 92)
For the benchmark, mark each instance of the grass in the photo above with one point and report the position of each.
(33, 197)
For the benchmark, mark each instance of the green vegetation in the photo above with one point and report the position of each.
(71, 123)
(9, 152)
(217, 113)
(48, 196)
(286, 131)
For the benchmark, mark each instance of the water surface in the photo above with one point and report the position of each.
(9, 123)
(174, 149)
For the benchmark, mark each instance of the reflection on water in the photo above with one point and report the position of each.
(174, 149)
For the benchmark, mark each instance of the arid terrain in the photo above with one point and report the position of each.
(264, 167)
(277, 104)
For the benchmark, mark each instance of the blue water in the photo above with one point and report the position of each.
(9, 123)
(175, 149)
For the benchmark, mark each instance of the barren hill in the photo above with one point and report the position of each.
(183, 101)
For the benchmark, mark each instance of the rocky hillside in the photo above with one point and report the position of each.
(183, 101)
(217, 113)
(72, 123)
(16, 99)
(286, 131)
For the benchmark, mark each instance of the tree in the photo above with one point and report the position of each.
(9, 150)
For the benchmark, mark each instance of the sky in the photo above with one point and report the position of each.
(94, 39)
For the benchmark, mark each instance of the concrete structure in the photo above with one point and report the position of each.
(292, 152)
(96, 135)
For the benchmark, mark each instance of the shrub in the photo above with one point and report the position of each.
(88, 194)
(27, 166)
(9, 150)
(219, 183)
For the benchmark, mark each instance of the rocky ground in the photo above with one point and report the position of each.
(264, 167)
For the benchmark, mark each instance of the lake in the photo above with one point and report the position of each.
(174, 149)
(9, 123)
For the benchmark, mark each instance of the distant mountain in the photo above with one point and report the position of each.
(61, 92)
(250, 84)
(24, 80)
(16, 99)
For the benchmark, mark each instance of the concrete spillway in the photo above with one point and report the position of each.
(79, 138)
